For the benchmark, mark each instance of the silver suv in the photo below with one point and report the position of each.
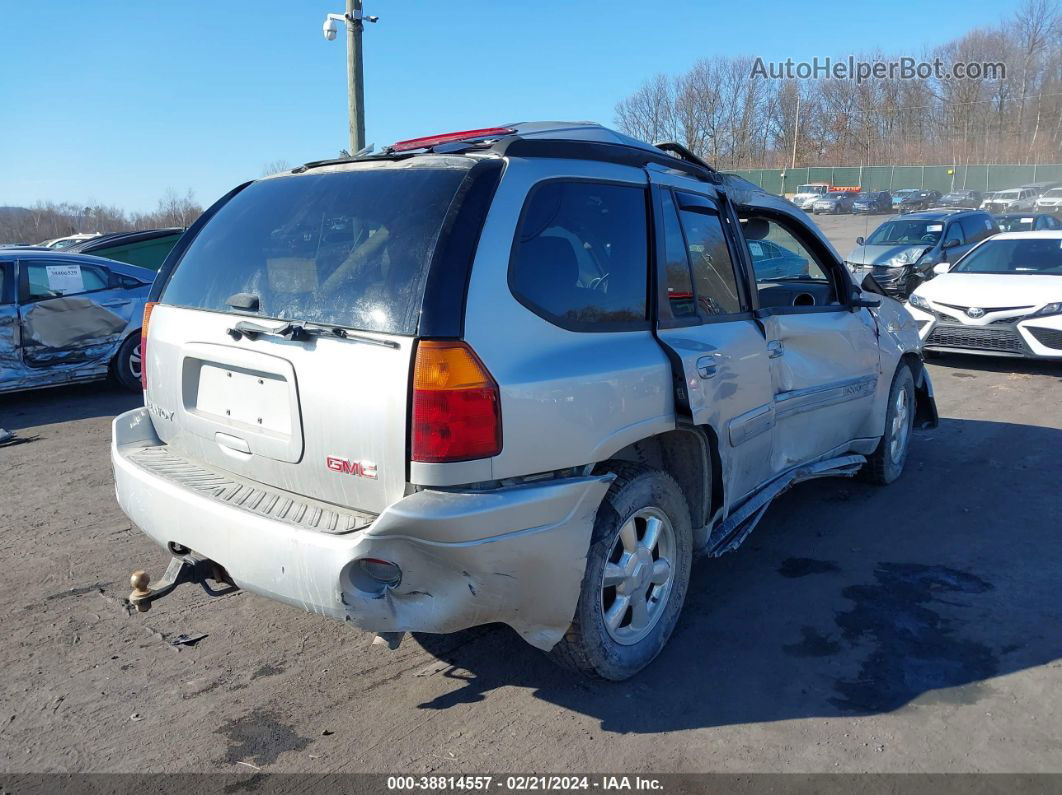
(517, 375)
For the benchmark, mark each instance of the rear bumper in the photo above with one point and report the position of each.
(514, 555)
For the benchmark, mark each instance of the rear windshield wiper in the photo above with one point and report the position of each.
(301, 332)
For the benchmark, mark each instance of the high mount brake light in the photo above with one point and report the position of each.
(429, 141)
(148, 307)
(456, 412)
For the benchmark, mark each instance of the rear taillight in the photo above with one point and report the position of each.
(150, 305)
(456, 405)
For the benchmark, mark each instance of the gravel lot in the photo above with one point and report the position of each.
(911, 628)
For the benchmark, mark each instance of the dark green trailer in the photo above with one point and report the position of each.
(147, 248)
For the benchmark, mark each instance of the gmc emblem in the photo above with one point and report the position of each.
(361, 469)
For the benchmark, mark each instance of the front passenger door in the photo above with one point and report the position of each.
(823, 355)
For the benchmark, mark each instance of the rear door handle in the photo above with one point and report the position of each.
(775, 349)
(707, 366)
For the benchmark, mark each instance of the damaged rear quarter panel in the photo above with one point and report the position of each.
(527, 578)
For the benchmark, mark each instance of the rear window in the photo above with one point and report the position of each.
(347, 248)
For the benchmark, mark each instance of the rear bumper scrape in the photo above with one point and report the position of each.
(514, 555)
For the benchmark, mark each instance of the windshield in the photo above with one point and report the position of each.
(907, 231)
(865, 196)
(348, 248)
(1042, 256)
(1007, 194)
(1054, 193)
(905, 192)
(811, 189)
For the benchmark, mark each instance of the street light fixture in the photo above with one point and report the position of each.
(355, 20)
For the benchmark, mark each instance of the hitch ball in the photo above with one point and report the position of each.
(139, 597)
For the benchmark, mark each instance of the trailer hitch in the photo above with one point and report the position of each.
(183, 568)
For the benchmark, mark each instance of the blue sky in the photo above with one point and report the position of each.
(114, 102)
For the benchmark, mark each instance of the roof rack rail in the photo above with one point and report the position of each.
(624, 154)
(683, 153)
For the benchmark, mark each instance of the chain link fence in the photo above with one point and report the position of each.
(981, 177)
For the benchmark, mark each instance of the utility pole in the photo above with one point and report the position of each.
(355, 77)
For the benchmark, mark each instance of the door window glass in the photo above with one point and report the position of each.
(714, 280)
(676, 261)
(955, 232)
(56, 279)
(787, 271)
(581, 256)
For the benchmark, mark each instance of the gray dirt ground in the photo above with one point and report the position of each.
(912, 628)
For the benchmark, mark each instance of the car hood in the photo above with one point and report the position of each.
(992, 289)
(875, 255)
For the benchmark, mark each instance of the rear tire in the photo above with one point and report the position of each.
(127, 363)
(637, 574)
(885, 464)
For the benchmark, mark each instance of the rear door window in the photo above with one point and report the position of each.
(54, 279)
(714, 279)
(679, 283)
(580, 258)
(349, 248)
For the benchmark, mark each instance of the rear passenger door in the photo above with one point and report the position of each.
(705, 322)
(70, 313)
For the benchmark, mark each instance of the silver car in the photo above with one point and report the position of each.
(67, 318)
(522, 375)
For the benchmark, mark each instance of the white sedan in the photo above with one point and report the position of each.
(1004, 298)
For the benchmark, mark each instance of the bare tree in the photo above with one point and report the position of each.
(721, 111)
(275, 167)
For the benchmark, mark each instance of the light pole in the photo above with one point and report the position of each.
(355, 22)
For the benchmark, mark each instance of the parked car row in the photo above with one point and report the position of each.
(821, 198)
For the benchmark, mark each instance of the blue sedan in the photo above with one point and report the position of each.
(67, 318)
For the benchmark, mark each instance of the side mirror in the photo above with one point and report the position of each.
(950, 243)
(941, 267)
(860, 300)
(859, 241)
